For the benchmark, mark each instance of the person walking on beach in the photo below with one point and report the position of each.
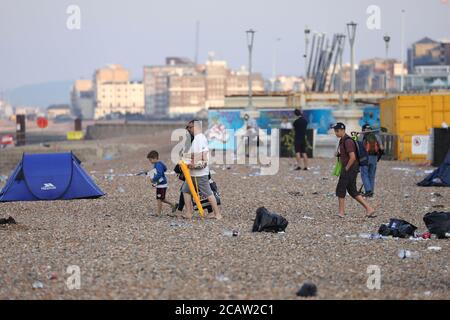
(374, 146)
(347, 151)
(300, 126)
(198, 165)
(159, 181)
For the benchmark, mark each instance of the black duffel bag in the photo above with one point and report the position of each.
(438, 223)
(398, 229)
(268, 221)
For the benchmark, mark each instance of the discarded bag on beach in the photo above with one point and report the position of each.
(438, 223)
(397, 228)
(268, 221)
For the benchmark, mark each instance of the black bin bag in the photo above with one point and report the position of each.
(268, 221)
(438, 223)
(397, 228)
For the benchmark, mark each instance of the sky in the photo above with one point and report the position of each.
(36, 46)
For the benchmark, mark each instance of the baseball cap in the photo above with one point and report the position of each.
(339, 125)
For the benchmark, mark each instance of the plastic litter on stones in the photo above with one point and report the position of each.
(38, 285)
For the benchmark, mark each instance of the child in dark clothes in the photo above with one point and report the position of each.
(159, 181)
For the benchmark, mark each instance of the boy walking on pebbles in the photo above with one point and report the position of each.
(350, 168)
(159, 181)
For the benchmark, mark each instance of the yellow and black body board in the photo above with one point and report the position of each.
(187, 176)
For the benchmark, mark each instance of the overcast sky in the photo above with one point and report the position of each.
(36, 46)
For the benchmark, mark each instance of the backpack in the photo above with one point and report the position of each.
(361, 153)
(204, 201)
(371, 144)
(268, 221)
(397, 228)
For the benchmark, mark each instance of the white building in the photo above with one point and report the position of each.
(6, 110)
(119, 98)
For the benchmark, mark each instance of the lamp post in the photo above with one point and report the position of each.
(386, 39)
(352, 114)
(274, 63)
(250, 39)
(307, 32)
(402, 77)
(341, 43)
(351, 30)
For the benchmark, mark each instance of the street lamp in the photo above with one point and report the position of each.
(274, 63)
(386, 39)
(351, 30)
(341, 45)
(307, 32)
(250, 38)
(402, 78)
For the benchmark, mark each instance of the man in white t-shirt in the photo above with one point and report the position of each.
(198, 164)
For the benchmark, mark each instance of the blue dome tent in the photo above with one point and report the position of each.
(439, 177)
(46, 177)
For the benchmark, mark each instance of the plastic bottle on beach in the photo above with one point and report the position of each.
(370, 236)
(403, 254)
(231, 233)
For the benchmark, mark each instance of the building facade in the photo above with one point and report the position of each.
(58, 110)
(115, 94)
(428, 78)
(180, 87)
(6, 110)
(82, 99)
(119, 98)
(285, 84)
(428, 52)
(375, 75)
(157, 81)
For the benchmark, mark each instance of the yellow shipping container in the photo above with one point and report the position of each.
(413, 115)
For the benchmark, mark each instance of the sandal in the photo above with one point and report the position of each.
(372, 215)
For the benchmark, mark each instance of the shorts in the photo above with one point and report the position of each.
(161, 193)
(201, 184)
(300, 147)
(347, 182)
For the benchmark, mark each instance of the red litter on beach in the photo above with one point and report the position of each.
(7, 140)
(42, 122)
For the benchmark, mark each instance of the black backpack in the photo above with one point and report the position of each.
(205, 202)
(397, 228)
(268, 221)
(438, 223)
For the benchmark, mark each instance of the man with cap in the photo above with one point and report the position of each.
(350, 167)
(374, 147)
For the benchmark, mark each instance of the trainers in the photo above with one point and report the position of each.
(305, 169)
(297, 169)
(174, 207)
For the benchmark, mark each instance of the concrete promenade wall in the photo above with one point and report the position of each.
(101, 131)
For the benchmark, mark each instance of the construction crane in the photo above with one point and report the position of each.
(322, 63)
